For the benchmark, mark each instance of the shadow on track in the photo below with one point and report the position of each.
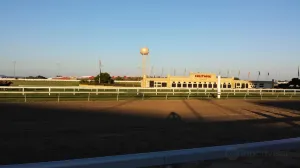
(293, 105)
(31, 132)
(186, 103)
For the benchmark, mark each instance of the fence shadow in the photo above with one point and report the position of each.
(35, 132)
(293, 105)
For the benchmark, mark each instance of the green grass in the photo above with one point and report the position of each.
(45, 83)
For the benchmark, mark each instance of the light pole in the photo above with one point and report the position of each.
(100, 65)
(139, 68)
(58, 69)
(14, 62)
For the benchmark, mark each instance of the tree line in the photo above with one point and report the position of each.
(294, 83)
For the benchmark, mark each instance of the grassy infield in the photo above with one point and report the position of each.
(132, 94)
(44, 83)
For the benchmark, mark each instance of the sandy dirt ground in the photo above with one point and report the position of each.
(33, 132)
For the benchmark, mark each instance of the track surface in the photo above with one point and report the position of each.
(32, 132)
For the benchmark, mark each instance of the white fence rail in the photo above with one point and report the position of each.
(173, 157)
(135, 88)
(142, 92)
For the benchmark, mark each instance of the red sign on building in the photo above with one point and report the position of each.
(203, 76)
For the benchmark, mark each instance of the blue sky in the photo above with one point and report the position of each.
(204, 36)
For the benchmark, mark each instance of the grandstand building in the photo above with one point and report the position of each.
(202, 80)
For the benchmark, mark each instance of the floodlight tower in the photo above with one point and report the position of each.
(144, 52)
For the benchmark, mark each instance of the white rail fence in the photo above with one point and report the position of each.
(142, 92)
(278, 148)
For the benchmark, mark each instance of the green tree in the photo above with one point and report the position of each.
(104, 77)
(41, 77)
(118, 78)
(295, 82)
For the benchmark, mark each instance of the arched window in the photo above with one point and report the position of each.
(195, 85)
(190, 85)
(229, 85)
(209, 85)
(173, 84)
(205, 85)
(243, 85)
(200, 85)
(178, 84)
(247, 86)
(184, 85)
(224, 85)
(215, 85)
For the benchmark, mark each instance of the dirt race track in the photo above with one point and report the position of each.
(32, 132)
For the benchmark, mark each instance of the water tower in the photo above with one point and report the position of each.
(144, 52)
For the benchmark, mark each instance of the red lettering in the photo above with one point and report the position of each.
(203, 76)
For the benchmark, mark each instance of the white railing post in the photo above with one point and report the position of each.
(205, 91)
(219, 87)
(137, 91)
(23, 91)
(58, 97)
(233, 91)
(284, 92)
(173, 92)
(97, 91)
(260, 91)
(49, 91)
(295, 92)
(156, 92)
(118, 91)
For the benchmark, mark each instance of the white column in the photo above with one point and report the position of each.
(219, 87)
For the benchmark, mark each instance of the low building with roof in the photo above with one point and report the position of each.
(202, 81)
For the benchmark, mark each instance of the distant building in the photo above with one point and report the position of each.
(202, 80)
(86, 78)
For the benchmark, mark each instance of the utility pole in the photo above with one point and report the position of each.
(58, 69)
(14, 62)
(100, 65)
